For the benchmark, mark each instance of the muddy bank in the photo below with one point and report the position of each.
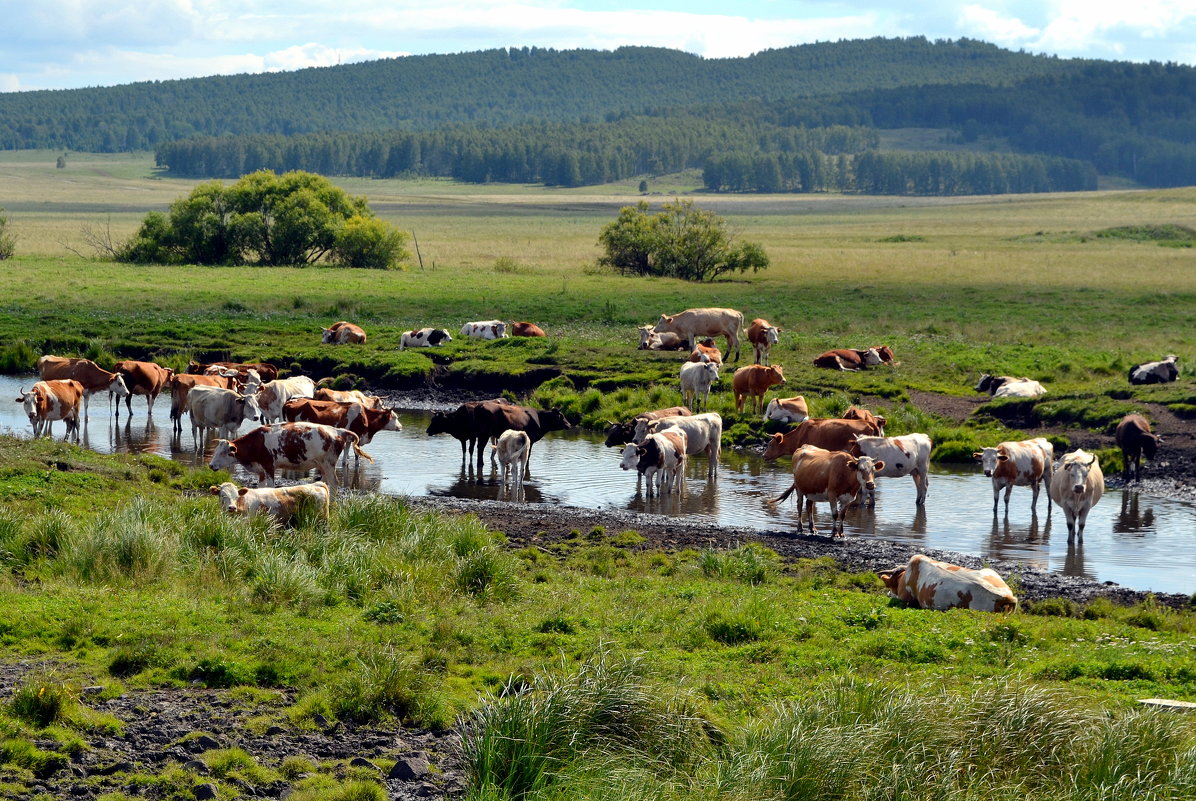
(543, 524)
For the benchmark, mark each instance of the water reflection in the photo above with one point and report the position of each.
(1130, 520)
(1010, 541)
(1073, 563)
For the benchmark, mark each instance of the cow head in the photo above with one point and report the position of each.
(989, 458)
(328, 335)
(646, 333)
(775, 449)
(250, 408)
(631, 456)
(554, 420)
(867, 467)
(229, 494)
(984, 384)
(892, 579)
(118, 387)
(618, 434)
(870, 357)
(1076, 468)
(224, 455)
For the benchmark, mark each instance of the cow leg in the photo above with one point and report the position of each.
(1034, 501)
(920, 482)
(996, 496)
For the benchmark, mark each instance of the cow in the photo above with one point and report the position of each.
(278, 503)
(848, 359)
(1076, 486)
(752, 381)
(650, 340)
(526, 330)
(907, 455)
(349, 396)
(886, 355)
(926, 583)
(787, 410)
(659, 460)
(832, 476)
(829, 433)
(705, 351)
(1013, 464)
(363, 422)
(514, 448)
(860, 413)
(696, 379)
(56, 399)
(289, 446)
(1134, 438)
(180, 392)
(491, 419)
(693, 323)
(424, 338)
(1160, 372)
(343, 333)
(265, 370)
(1007, 386)
(618, 434)
(703, 434)
(93, 377)
(460, 424)
(143, 378)
(485, 329)
(763, 335)
(273, 395)
(220, 409)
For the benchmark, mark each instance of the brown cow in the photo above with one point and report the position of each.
(860, 413)
(143, 378)
(47, 401)
(848, 359)
(706, 351)
(267, 371)
(526, 330)
(833, 476)
(763, 335)
(787, 410)
(830, 433)
(1135, 440)
(1016, 464)
(753, 381)
(93, 377)
(349, 396)
(363, 422)
(180, 392)
(343, 333)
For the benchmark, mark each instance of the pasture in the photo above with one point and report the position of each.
(731, 667)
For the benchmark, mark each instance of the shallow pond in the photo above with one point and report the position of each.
(1140, 541)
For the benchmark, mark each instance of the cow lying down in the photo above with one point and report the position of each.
(279, 503)
(929, 584)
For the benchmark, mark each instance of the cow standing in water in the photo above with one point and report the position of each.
(1135, 440)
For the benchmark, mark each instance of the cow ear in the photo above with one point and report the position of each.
(214, 490)
(977, 455)
(878, 466)
(1002, 457)
(242, 491)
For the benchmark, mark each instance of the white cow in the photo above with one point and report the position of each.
(660, 459)
(703, 434)
(424, 338)
(279, 503)
(1160, 372)
(907, 455)
(650, 340)
(929, 584)
(485, 329)
(696, 379)
(693, 323)
(1076, 486)
(1028, 388)
(513, 449)
(273, 395)
(787, 410)
(219, 409)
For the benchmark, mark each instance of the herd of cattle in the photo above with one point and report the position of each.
(833, 459)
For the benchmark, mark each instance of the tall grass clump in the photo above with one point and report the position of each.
(42, 700)
(387, 684)
(528, 741)
(134, 544)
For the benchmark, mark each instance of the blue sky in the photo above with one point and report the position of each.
(63, 44)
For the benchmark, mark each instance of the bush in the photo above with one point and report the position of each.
(8, 242)
(42, 701)
(370, 243)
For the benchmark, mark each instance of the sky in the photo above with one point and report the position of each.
(66, 44)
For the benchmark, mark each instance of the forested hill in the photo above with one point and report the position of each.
(491, 88)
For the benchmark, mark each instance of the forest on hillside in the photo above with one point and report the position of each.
(801, 119)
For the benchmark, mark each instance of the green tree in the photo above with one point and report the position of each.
(267, 219)
(8, 242)
(681, 241)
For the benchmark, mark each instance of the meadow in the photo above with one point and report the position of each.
(598, 668)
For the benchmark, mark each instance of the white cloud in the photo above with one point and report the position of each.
(313, 54)
(993, 26)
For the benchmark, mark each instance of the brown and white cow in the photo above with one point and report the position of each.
(752, 381)
(621, 433)
(279, 503)
(709, 322)
(1014, 464)
(650, 340)
(363, 422)
(659, 460)
(763, 335)
(1077, 485)
(424, 338)
(93, 377)
(287, 446)
(832, 476)
(143, 378)
(907, 455)
(485, 329)
(829, 433)
(526, 330)
(703, 434)
(788, 410)
(696, 380)
(221, 410)
(273, 395)
(265, 370)
(180, 392)
(1134, 438)
(343, 333)
(705, 351)
(927, 583)
(860, 413)
(1161, 372)
(349, 396)
(47, 401)
(514, 448)
(848, 359)
(1007, 386)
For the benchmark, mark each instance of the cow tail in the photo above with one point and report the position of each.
(357, 448)
(786, 494)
